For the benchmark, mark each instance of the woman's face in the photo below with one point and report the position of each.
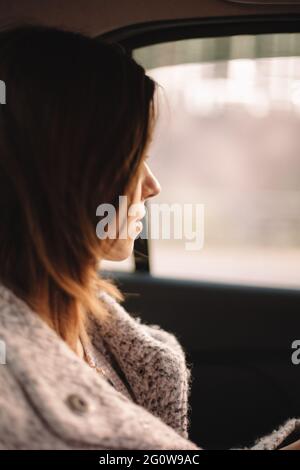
(147, 186)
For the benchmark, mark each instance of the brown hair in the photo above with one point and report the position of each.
(72, 135)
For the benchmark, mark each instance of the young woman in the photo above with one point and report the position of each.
(79, 371)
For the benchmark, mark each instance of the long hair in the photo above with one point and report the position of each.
(73, 131)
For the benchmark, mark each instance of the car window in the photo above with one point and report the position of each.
(227, 137)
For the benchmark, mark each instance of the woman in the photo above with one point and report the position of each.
(80, 372)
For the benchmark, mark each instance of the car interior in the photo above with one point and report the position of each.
(227, 138)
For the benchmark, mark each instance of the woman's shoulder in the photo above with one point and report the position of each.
(57, 401)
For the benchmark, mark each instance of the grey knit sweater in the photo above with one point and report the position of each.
(51, 399)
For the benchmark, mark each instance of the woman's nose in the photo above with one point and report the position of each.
(151, 185)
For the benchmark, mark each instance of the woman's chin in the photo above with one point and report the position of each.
(123, 249)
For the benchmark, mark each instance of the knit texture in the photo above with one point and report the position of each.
(278, 436)
(162, 382)
(102, 361)
(52, 399)
(55, 400)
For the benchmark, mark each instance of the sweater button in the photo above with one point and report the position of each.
(77, 404)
